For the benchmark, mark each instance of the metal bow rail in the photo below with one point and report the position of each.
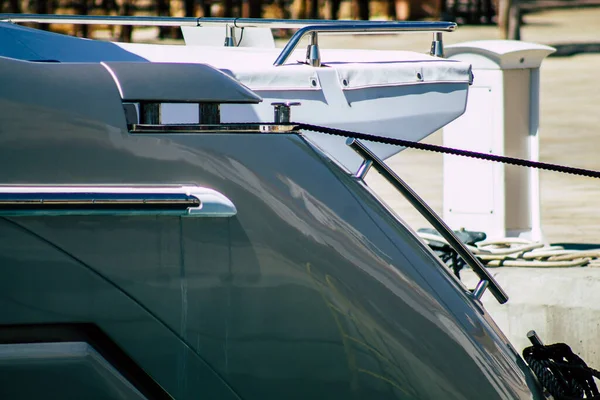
(305, 27)
(371, 160)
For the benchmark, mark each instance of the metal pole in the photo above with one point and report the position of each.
(361, 28)
(434, 220)
(230, 36)
(283, 113)
(313, 57)
(236, 22)
(150, 113)
(437, 45)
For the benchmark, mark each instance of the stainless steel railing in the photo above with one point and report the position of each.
(305, 27)
(193, 21)
(313, 57)
(485, 279)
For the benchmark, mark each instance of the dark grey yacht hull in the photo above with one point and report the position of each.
(313, 289)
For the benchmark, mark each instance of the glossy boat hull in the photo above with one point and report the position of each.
(312, 290)
(307, 287)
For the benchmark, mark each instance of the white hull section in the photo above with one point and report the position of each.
(396, 94)
(390, 93)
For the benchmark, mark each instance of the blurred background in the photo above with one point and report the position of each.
(507, 14)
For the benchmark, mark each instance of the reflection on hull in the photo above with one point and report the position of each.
(296, 282)
(311, 290)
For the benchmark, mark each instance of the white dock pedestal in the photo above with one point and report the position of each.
(502, 117)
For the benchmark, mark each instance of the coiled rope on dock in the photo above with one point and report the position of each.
(517, 252)
(511, 252)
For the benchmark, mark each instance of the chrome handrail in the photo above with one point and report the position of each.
(202, 21)
(304, 26)
(57, 200)
(359, 28)
(99, 20)
(486, 280)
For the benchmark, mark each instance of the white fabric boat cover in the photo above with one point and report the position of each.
(358, 68)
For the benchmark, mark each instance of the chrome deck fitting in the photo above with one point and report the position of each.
(230, 36)
(313, 56)
(283, 111)
(437, 45)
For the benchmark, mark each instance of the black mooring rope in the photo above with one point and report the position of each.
(564, 374)
(448, 150)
